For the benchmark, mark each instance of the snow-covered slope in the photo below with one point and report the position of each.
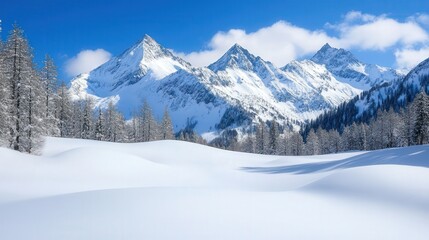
(235, 91)
(82, 189)
(395, 94)
(348, 69)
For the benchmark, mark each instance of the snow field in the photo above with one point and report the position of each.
(82, 189)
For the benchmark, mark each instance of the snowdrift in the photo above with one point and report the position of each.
(82, 189)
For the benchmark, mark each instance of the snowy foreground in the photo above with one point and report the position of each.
(176, 190)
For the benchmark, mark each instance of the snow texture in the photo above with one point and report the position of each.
(83, 189)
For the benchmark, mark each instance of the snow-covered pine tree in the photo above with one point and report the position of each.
(296, 144)
(284, 142)
(50, 84)
(114, 124)
(346, 139)
(99, 130)
(63, 109)
(273, 138)
(166, 126)
(76, 118)
(87, 119)
(4, 100)
(248, 144)
(322, 137)
(261, 138)
(25, 87)
(334, 141)
(132, 129)
(408, 120)
(149, 128)
(312, 146)
(361, 136)
(421, 125)
(393, 126)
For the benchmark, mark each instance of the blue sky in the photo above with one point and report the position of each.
(202, 30)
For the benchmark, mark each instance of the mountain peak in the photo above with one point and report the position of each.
(329, 55)
(326, 47)
(145, 50)
(237, 47)
(149, 41)
(235, 57)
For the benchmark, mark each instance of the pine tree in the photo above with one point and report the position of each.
(408, 120)
(114, 123)
(334, 141)
(149, 127)
(132, 129)
(166, 126)
(87, 119)
(273, 137)
(261, 138)
(50, 83)
(248, 144)
(297, 144)
(312, 146)
(25, 88)
(323, 143)
(63, 110)
(4, 100)
(99, 130)
(421, 131)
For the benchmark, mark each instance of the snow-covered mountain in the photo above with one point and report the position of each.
(236, 90)
(348, 69)
(301, 90)
(395, 94)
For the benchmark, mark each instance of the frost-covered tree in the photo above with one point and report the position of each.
(149, 127)
(132, 129)
(25, 94)
(248, 144)
(312, 146)
(261, 138)
(334, 141)
(273, 138)
(63, 110)
(4, 100)
(99, 129)
(114, 124)
(421, 125)
(408, 120)
(323, 140)
(166, 126)
(50, 83)
(87, 119)
(296, 144)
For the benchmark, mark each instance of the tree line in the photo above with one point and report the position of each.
(388, 129)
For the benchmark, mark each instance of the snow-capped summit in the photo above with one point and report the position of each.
(333, 56)
(235, 57)
(347, 68)
(144, 61)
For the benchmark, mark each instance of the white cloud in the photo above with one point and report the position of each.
(356, 15)
(86, 61)
(409, 58)
(368, 32)
(420, 18)
(283, 41)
